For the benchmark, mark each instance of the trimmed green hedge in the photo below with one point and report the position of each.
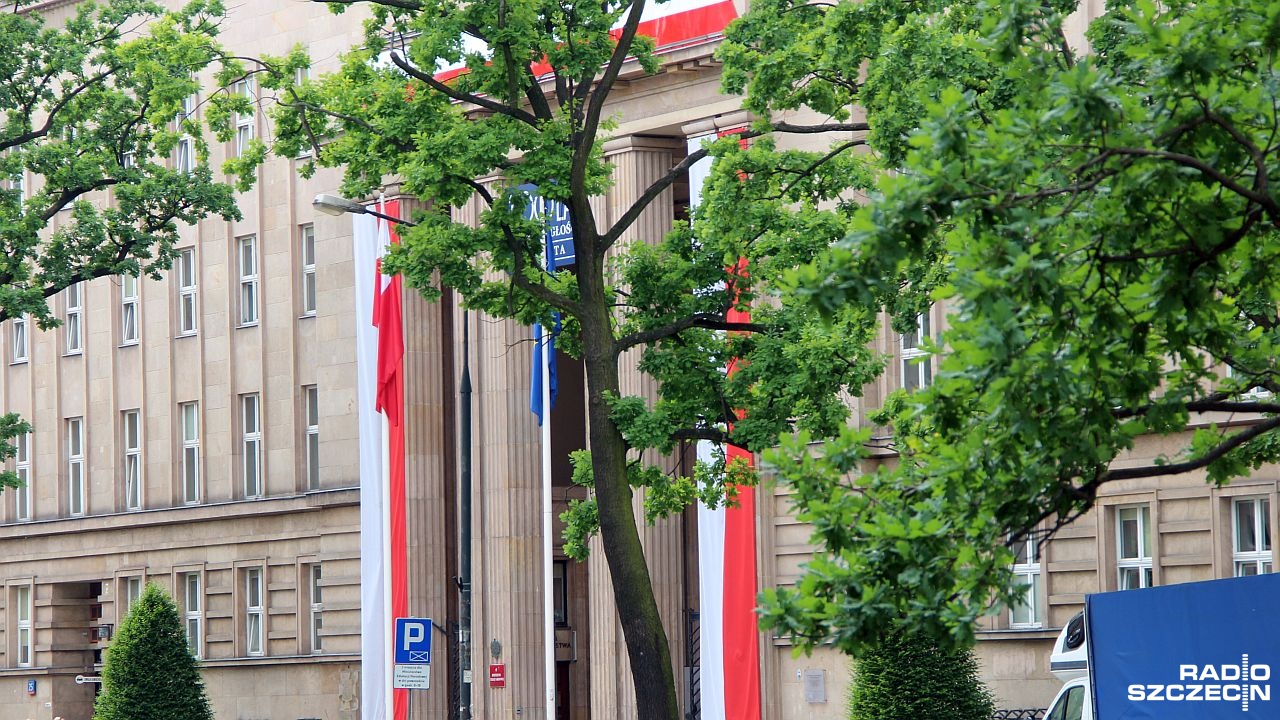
(908, 677)
(149, 672)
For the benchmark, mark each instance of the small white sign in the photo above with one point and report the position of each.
(82, 679)
(412, 677)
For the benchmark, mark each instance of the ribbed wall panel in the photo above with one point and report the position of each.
(428, 479)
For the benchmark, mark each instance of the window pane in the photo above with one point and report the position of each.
(313, 461)
(24, 603)
(193, 592)
(23, 447)
(1264, 521)
(1246, 569)
(308, 245)
(248, 303)
(315, 585)
(1246, 533)
(193, 636)
(191, 474)
(73, 437)
(309, 292)
(186, 268)
(190, 424)
(251, 486)
(1128, 520)
(129, 322)
(253, 584)
(250, 413)
(247, 266)
(255, 633)
(1129, 579)
(313, 405)
(187, 307)
(131, 430)
(128, 286)
(316, 624)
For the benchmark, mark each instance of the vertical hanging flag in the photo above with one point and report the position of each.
(558, 251)
(383, 550)
(729, 640)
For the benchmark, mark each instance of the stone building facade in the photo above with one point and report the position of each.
(200, 432)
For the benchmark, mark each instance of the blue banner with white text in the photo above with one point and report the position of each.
(1193, 651)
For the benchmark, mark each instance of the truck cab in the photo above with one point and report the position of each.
(1070, 664)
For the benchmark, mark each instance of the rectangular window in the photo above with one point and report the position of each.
(247, 257)
(311, 409)
(244, 122)
(1028, 611)
(1133, 546)
(185, 155)
(18, 339)
(186, 265)
(253, 615)
(190, 414)
(22, 601)
(71, 323)
(128, 310)
(559, 594)
(22, 467)
(308, 239)
(132, 431)
(192, 615)
(251, 420)
(1251, 530)
(917, 366)
(75, 466)
(130, 591)
(317, 609)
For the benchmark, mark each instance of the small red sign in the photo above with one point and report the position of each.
(498, 675)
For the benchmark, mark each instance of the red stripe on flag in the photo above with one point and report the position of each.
(690, 27)
(388, 318)
(741, 636)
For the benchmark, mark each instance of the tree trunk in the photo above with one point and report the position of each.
(646, 639)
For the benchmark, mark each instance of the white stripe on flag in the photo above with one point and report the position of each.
(374, 618)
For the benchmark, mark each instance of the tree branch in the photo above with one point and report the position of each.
(484, 102)
(402, 4)
(1218, 452)
(595, 102)
(700, 320)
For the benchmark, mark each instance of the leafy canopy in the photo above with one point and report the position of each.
(1101, 227)
(94, 105)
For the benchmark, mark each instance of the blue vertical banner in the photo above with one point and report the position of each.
(1193, 651)
(557, 242)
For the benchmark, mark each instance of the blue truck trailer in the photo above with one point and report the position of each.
(1194, 651)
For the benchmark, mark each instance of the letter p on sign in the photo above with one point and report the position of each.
(413, 641)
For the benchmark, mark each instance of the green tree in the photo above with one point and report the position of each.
(908, 676)
(89, 106)
(1102, 229)
(666, 297)
(150, 673)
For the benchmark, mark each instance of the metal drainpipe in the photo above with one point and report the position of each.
(464, 529)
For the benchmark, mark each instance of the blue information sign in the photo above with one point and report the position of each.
(413, 641)
(1193, 651)
(558, 234)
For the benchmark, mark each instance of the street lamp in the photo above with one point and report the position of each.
(336, 205)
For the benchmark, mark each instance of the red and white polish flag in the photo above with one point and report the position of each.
(380, 390)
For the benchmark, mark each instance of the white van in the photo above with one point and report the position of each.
(1070, 664)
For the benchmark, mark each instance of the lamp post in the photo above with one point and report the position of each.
(335, 205)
